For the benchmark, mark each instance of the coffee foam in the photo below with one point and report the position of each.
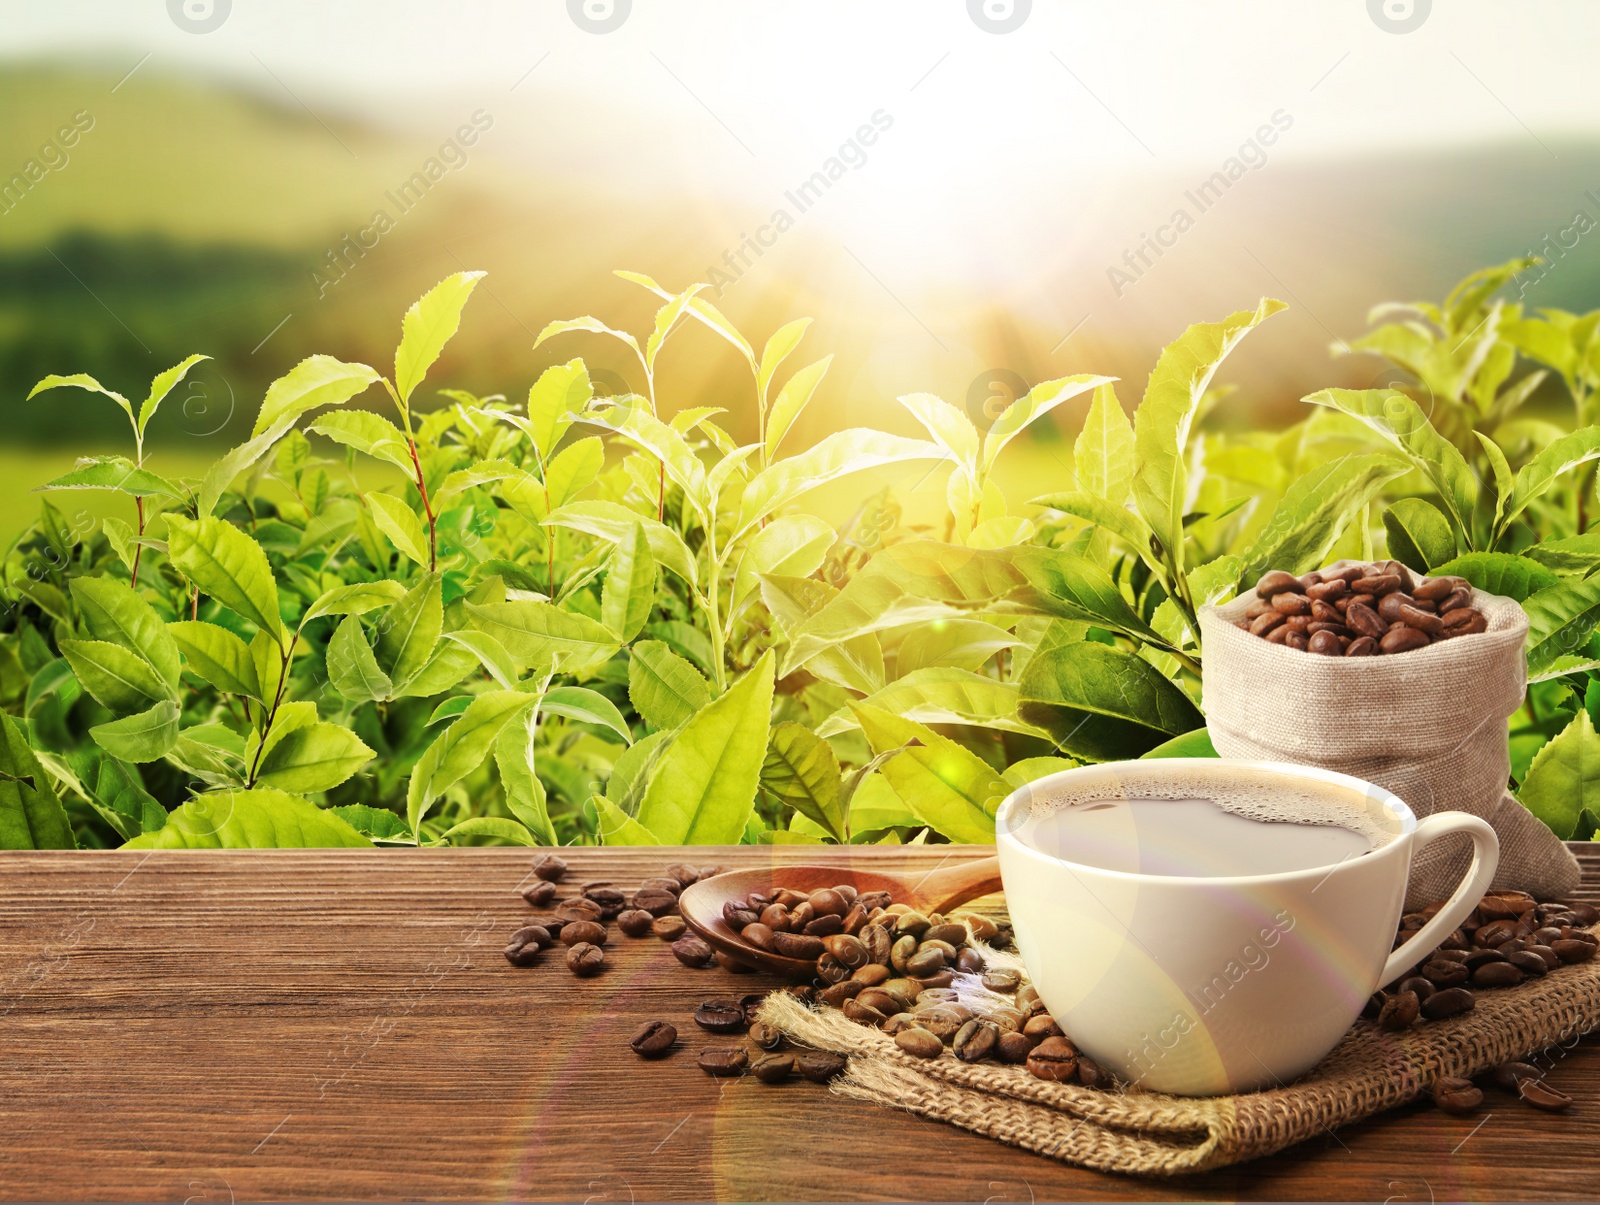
(1275, 802)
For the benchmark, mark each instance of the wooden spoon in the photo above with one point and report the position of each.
(932, 891)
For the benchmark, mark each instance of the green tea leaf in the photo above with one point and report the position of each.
(212, 753)
(315, 381)
(1190, 744)
(83, 380)
(950, 428)
(316, 757)
(1115, 518)
(502, 667)
(460, 749)
(791, 400)
(1419, 534)
(116, 473)
(229, 566)
(427, 326)
(616, 827)
(368, 433)
(942, 696)
(373, 822)
(778, 349)
(112, 611)
(1400, 420)
(946, 785)
(1540, 473)
(792, 546)
(145, 737)
(802, 771)
(561, 393)
(31, 817)
(629, 593)
(613, 522)
(217, 656)
(444, 670)
(500, 827)
(119, 790)
(1499, 573)
(537, 633)
(573, 469)
(587, 707)
(1072, 587)
(410, 630)
(1574, 554)
(1034, 405)
(401, 524)
(664, 688)
(118, 679)
(1100, 703)
(1560, 620)
(704, 789)
(956, 643)
(1161, 425)
(352, 667)
(838, 455)
(161, 386)
(355, 599)
(1564, 778)
(1103, 457)
(524, 793)
(262, 818)
(1314, 512)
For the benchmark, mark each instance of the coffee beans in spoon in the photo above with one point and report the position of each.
(1365, 610)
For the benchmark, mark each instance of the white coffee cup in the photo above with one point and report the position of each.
(1211, 985)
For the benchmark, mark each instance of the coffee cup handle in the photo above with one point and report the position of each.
(1485, 860)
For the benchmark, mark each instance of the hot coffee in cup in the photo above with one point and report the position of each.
(1205, 926)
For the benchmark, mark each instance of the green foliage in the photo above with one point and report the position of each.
(581, 618)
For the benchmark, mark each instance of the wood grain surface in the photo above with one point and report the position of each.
(212, 1027)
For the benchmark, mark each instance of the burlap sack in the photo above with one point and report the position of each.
(1429, 725)
(1147, 1133)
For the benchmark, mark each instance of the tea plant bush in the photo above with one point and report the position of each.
(582, 618)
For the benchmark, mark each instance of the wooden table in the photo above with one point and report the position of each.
(342, 1024)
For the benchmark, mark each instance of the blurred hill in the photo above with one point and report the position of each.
(198, 216)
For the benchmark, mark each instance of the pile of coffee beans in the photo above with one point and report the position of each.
(1361, 610)
(577, 922)
(1507, 939)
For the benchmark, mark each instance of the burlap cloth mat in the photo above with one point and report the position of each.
(1148, 1133)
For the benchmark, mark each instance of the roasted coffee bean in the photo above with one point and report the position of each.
(1502, 907)
(1363, 646)
(654, 1040)
(949, 932)
(662, 883)
(1278, 635)
(942, 979)
(975, 1040)
(1296, 640)
(870, 975)
(549, 867)
(1418, 984)
(819, 1066)
(1473, 624)
(1542, 1096)
(1013, 1048)
(1055, 1058)
(855, 919)
(1291, 604)
(898, 1022)
(539, 894)
(1401, 639)
(773, 1068)
(764, 1036)
(903, 950)
(582, 931)
(1000, 979)
(1276, 582)
(875, 938)
(797, 945)
(926, 962)
(1399, 1011)
(1325, 643)
(1041, 1026)
(829, 902)
(521, 954)
(825, 926)
(969, 961)
(803, 992)
(1322, 612)
(1374, 1005)
(585, 958)
(635, 922)
(723, 1061)
(1412, 617)
(874, 899)
(887, 1003)
(1585, 914)
(1572, 949)
(914, 923)
(1028, 1000)
(1379, 584)
(536, 936)
(1496, 974)
(1528, 963)
(577, 909)
(1388, 607)
(1447, 1002)
(1478, 958)
(682, 872)
(1091, 1074)
(1434, 588)
(835, 994)
(669, 928)
(980, 928)
(720, 1016)
(758, 935)
(657, 901)
(1456, 1095)
(1006, 1019)
(919, 1043)
(1492, 934)
(848, 950)
(1328, 591)
(611, 899)
(864, 1014)
(692, 952)
(711, 872)
(1551, 959)
(737, 915)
